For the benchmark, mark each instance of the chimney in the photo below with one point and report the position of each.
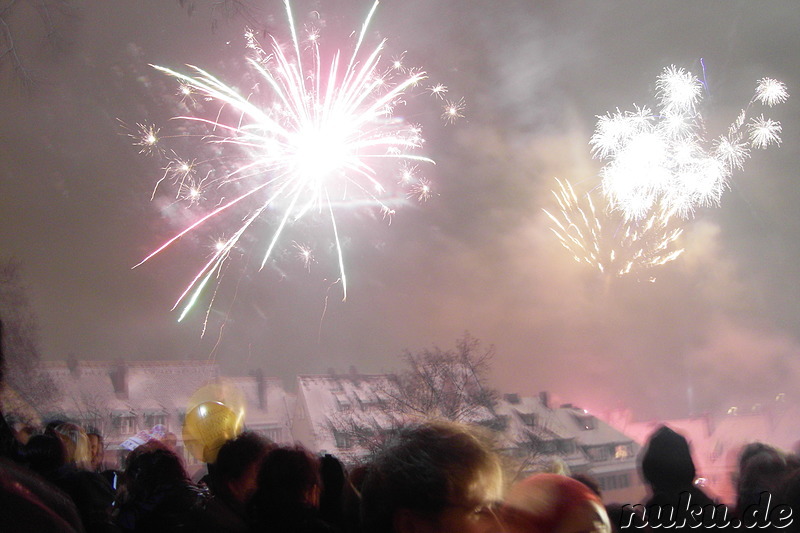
(73, 366)
(119, 378)
(512, 398)
(354, 374)
(261, 386)
(544, 398)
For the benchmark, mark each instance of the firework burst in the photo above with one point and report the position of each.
(664, 160)
(453, 110)
(309, 138)
(610, 245)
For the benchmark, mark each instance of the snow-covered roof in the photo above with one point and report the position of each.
(528, 417)
(588, 429)
(717, 440)
(152, 386)
(277, 405)
(342, 401)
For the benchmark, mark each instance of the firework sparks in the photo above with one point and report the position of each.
(308, 134)
(438, 90)
(305, 254)
(453, 110)
(770, 92)
(421, 190)
(146, 137)
(663, 159)
(612, 247)
(764, 132)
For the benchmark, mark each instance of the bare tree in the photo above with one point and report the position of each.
(435, 384)
(13, 15)
(250, 12)
(21, 342)
(446, 384)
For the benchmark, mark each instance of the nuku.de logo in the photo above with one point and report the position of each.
(759, 515)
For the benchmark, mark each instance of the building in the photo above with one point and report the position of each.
(269, 407)
(717, 440)
(345, 414)
(340, 414)
(121, 399)
(539, 435)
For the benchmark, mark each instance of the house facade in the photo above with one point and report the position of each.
(541, 436)
(121, 399)
(336, 414)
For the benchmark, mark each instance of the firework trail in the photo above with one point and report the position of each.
(664, 160)
(612, 246)
(309, 138)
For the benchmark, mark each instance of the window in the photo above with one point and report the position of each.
(342, 403)
(598, 453)
(365, 399)
(548, 446)
(273, 434)
(343, 440)
(614, 482)
(382, 398)
(566, 446)
(529, 419)
(153, 419)
(622, 451)
(125, 424)
(586, 422)
(92, 422)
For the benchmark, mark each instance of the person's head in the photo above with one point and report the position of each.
(666, 461)
(44, 453)
(51, 425)
(332, 475)
(76, 444)
(290, 474)
(96, 449)
(761, 468)
(238, 461)
(23, 433)
(288, 485)
(152, 465)
(21, 429)
(432, 477)
(552, 503)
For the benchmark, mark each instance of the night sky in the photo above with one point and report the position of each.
(719, 327)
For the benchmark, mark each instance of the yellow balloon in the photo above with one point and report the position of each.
(206, 428)
(222, 391)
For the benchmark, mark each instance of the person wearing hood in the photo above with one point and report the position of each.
(675, 501)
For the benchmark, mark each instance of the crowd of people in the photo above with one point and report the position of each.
(428, 477)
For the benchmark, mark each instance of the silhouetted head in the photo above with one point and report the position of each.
(288, 485)
(237, 465)
(432, 477)
(152, 465)
(44, 453)
(666, 461)
(552, 503)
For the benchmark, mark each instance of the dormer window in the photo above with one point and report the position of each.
(586, 422)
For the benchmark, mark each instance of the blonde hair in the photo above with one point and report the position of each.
(76, 444)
